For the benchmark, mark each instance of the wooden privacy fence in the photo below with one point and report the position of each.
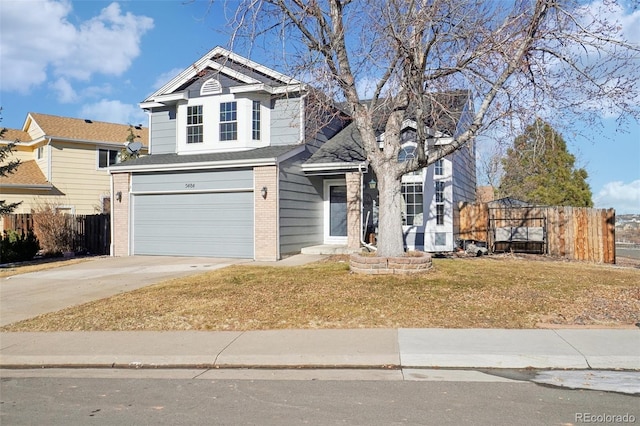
(91, 233)
(575, 233)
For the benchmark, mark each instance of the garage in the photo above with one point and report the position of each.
(204, 221)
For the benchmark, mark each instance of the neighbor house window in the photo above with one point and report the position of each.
(255, 121)
(108, 157)
(439, 202)
(439, 167)
(194, 124)
(412, 195)
(228, 121)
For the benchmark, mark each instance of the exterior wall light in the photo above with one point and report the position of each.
(372, 184)
(264, 192)
(119, 196)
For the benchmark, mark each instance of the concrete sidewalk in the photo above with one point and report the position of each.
(360, 348)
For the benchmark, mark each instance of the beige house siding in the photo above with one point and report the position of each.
(77, 179)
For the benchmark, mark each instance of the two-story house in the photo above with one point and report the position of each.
(65, 162)
(237, 168)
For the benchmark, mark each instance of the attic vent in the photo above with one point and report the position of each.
(86, 120)
(211, 87)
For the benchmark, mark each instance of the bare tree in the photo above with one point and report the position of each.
(519, 59)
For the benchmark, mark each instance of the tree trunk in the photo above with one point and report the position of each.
(390, 236)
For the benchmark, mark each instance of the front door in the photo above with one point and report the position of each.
(335, 211)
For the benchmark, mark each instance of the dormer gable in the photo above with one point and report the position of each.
(233, 73)
(224, 102)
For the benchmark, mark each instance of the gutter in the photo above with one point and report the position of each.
(329, 167)
(195, 166)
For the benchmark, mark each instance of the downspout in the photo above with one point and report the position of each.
(49, 162)
(303, 117)
(363, 168)
(111, 203)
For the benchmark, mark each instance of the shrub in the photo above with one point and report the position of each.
(18, 247)
(54, 229)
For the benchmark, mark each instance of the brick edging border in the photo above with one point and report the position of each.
(418, 263)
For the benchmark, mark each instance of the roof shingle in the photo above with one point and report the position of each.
(88, 130)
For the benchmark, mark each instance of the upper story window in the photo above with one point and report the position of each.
(407, 152)
(439, 167)
(108, 157)
(195, 133)
(228, 121)
(224, 122)
(255, 121)
(439, 202)
(40, 153)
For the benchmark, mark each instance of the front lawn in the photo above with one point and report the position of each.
(495, 292)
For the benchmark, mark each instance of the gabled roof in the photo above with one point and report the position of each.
(12, 135)
(231, 69)
(443, 116)
(345, 147)
(85, 130)
(26, 174)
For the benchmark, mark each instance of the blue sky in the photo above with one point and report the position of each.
(98, 59)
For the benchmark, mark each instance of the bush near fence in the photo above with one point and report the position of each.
(573, 233)
(90, 234)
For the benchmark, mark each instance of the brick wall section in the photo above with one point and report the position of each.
(354, 208)
(266, 213)
(120, 215)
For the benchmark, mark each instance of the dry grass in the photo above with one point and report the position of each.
(483, 292)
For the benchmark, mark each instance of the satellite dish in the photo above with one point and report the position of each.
(134, 147)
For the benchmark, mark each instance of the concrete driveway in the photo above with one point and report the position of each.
(28, 295)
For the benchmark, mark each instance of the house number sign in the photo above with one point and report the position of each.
(189, 185)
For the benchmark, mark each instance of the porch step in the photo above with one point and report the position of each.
(329, 249)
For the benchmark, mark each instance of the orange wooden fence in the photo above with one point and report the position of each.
(574, 233)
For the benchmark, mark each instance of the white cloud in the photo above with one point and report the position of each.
(65, 92)
(624, 197)
(114, 111)
(166, 77)
(37, 40)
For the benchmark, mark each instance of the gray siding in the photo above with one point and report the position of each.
(192, 181)
(464, 180)
(163, 131)
(301, 206)
(285, 121)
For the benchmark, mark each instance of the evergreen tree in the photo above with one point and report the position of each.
(7, 169)
(540, 170)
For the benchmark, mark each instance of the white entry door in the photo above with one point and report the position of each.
(335, 211)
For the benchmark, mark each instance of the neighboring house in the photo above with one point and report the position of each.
(65, 162)
(236, 169)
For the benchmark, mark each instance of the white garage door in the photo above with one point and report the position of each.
(201, 224)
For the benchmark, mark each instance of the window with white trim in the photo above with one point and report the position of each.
(439, 167)
(412, 209)
(229, 121)
(255, 121)
(439, 202)
(108, 157)
(40, 153)
(195, 131)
